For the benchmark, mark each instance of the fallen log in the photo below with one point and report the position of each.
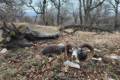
(14, 38)
(17, 44)
(83, 28)
(35, 36)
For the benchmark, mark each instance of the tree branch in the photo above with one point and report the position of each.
(36, 11)
(100, 3)
(55, 4)
(112, 4)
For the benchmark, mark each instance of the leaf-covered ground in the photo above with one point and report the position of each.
(30, 64)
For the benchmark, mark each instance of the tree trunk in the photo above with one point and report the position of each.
(116, 17)
(58, 14)
(80, 12)
(36, 18)
(44, 7)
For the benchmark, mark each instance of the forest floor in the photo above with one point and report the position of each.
(30, 64)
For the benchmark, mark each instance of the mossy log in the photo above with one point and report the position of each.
(14, 37)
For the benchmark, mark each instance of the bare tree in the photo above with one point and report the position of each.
(75, 16)
(58, 4)
(88, 6)
(115, 6)
(41, 7)
(10, 10)
(50, 14)
(65, 17)
(80, 12)
(74, 12)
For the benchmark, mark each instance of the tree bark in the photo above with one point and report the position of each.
(88, 7)
(44, 7)
(80, 12)
(116, 16)
(58, 14)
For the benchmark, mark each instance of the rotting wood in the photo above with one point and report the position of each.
(15, 38)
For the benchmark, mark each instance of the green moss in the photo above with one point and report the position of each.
(12, 34)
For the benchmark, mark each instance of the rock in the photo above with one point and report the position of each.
(3, 51)
(71, 64)
(97, 59)
(97, 50)
(113, 57)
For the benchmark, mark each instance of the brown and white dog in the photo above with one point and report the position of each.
(77, 52)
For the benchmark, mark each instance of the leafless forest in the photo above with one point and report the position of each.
(59, 40)
(62, 12)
